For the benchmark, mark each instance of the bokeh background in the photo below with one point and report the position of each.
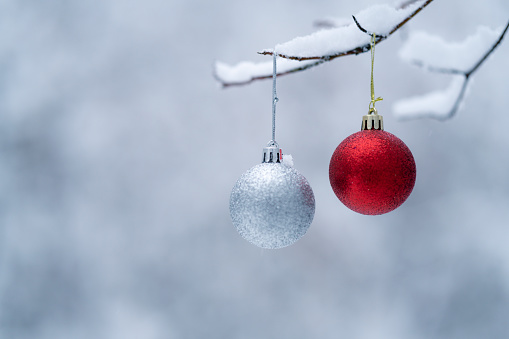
(118, 152)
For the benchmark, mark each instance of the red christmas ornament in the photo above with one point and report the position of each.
(372, 171)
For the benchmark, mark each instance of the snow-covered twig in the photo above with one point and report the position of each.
(246, 72)
(322, 46)
(495, 45)
(378, 36)
(443, 105)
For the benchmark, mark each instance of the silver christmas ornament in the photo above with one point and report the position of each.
(272, 205)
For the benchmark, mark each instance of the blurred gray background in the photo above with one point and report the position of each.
(118, 152)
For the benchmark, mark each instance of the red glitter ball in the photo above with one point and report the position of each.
(372, 172)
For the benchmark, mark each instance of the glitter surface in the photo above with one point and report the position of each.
(372, 172)
(272, 205)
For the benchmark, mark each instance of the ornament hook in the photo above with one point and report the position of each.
(373, 100)
(372, 44)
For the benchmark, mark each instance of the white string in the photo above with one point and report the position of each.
(274, 95)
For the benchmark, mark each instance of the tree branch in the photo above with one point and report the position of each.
(319, 59)
(358, 49)
(466, 74)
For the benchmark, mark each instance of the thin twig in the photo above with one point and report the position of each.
(328, 24)
(458, 101)
(434, 69)
(367, 32)
(408, 18)
(360, 27)
(481, 61)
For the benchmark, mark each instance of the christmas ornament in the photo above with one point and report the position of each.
(272, 205)
(372, 171)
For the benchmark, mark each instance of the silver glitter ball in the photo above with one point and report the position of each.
(272, 205)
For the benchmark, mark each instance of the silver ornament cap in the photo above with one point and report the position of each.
(272, 205)
(272, 153)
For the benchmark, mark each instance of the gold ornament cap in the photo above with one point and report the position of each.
(372, 121)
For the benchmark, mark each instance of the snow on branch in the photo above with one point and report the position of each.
(458, 59)
(246, 72)
(439, 105)
(324, 45)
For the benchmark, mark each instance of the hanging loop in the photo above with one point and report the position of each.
(373, 99)
(272, 153)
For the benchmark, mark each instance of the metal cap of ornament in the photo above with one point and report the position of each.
(272, 153)
(372, 120)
